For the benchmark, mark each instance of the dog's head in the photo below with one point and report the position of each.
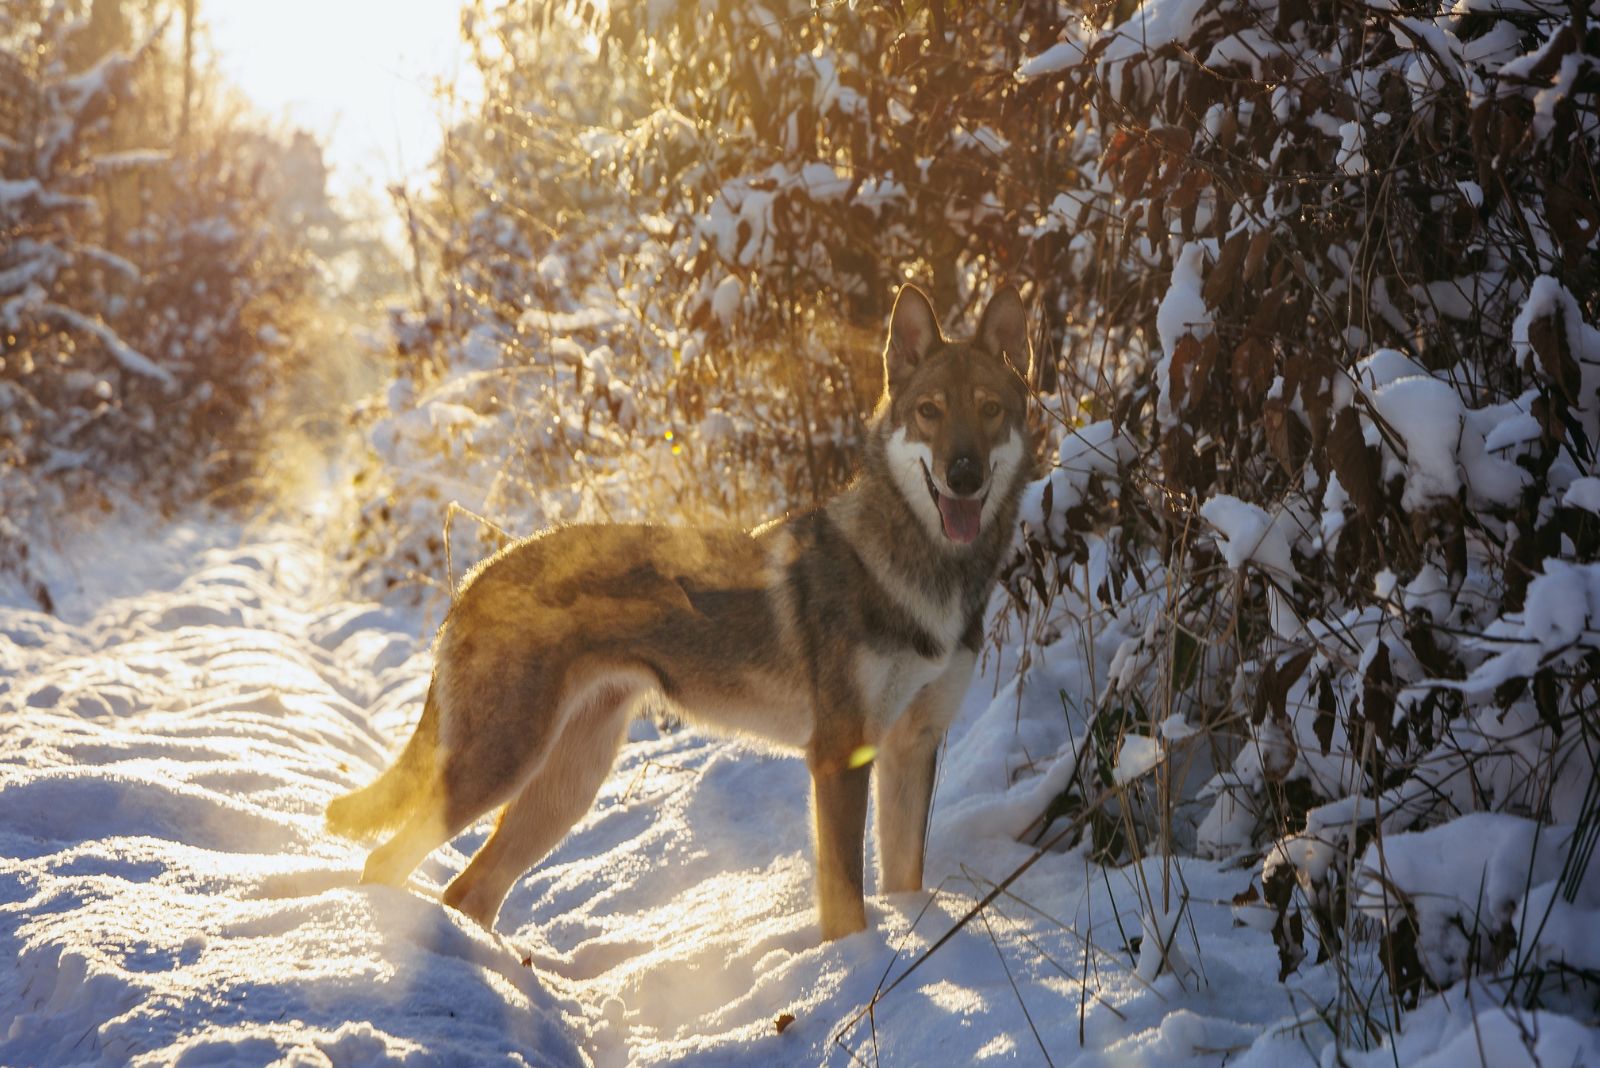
(955, 413)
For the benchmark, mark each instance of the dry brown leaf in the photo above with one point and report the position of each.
(1260, 241)
(1356, 464)
(1253, 369)
(1275, 421)
(1222, 280)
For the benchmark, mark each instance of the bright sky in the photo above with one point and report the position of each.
(357, 73)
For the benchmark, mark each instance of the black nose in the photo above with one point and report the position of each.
(964, 475)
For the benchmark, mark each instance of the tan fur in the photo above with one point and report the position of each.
(845, 631)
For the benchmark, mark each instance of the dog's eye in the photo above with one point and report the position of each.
(928, 410)
(990, 409)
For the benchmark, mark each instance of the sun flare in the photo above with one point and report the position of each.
(375, 79)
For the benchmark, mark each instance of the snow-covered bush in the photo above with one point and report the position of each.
(1351, 255)
(139, 277)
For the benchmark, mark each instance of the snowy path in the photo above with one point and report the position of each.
(169, 896)
(165, 878)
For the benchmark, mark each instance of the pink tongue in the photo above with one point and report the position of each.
(960, 518)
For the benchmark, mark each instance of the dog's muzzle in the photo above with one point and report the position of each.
(960, 517)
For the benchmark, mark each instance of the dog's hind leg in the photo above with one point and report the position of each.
(479, 765)
(456, 796)
(393, 861)
(557, 796)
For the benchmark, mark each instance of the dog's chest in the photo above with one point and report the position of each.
(887, 682)
(888, 679)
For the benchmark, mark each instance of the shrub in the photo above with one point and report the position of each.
(143, 282)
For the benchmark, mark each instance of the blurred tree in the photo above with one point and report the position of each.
(143, 291)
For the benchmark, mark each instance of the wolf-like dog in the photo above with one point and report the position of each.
(848, 633)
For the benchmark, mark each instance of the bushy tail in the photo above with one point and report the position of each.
(398, 792)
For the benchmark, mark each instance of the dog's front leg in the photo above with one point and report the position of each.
(840, 798)
(906, 764)
(907, 761)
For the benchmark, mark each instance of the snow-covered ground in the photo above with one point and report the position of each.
(168, 893)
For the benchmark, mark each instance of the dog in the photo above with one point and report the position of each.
(849, 633)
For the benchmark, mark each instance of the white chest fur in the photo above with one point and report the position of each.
(887, 682)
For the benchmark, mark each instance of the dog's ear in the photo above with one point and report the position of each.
(1003, 331)
(913, 332)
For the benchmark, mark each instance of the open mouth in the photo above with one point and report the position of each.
(960, 516)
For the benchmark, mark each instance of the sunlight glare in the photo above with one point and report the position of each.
(359, 74)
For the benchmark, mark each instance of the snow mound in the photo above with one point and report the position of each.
(166, 890)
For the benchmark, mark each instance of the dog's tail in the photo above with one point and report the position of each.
(399, 791)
